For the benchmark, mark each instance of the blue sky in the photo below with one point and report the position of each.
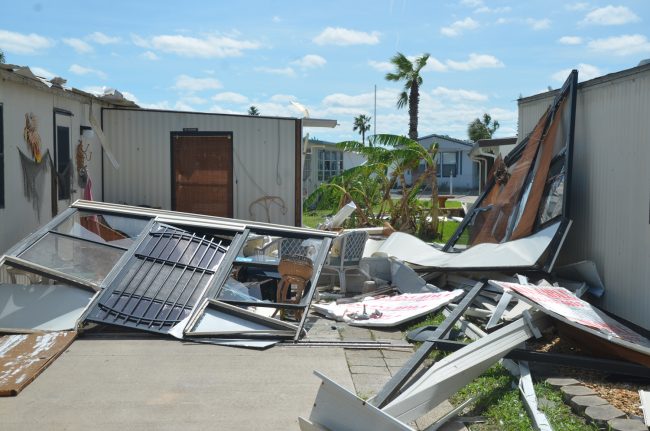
(224, 56)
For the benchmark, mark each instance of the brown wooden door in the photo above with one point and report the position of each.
(202, 174)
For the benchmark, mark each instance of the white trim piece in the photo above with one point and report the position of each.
(501, 307)
(103, 140)
(645, 406)
(338, 409)
(456, 370)
(527, 390)
(453, 413)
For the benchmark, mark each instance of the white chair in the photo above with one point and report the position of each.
(350, 246)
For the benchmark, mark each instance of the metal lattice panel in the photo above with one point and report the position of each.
(162, 282)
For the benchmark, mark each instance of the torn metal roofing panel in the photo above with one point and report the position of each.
(530, 189)
(563, 305)
(522, 253)
(23, 357)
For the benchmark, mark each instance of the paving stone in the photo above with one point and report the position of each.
(368, 385)
(353, 333)
(368, 361)
(395, 362)
(397, 354)
(387, 335)
(394, 370)
(626, 425)
(569, 392)
(558, 382)
(601, 414)
(363, 353)
(544, 403)
(360, 369)
(580, 403)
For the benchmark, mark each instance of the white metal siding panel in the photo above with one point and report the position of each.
(263, 160)
(611, 188)
(18, 218)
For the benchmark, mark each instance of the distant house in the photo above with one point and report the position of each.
(323, 161)
(456, 171)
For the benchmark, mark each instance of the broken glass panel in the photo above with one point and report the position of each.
(111, 229)
(81, 258)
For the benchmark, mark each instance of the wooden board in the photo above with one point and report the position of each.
(24, 356)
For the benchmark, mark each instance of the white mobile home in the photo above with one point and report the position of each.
(455, 168)
(610, 185)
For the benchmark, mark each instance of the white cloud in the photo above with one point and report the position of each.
(191, 84)
(287, 71)
(194, 47)
(475, 61)
(501, 21)
(585, 72)
(611, 15)
(434, 65)
(570, 40)
(102, 39)
(43, 73)
(79, 45)
(621, 45)
(381, 66)
(385, 99)
(230, 97)
(486, 9)
(194, 100)
(18, 43)
(577, 6)
(81, 70)
(276, 19)
(458, 27)
(472, 3)
(344, 37)
(458, 95)
(539, 24)
(310, 61)
(283, 98)
(150, 55)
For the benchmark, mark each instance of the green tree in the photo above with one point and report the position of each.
(482, 129)
(362, 124)
(2, 57)
(409, 72)
(253, 111)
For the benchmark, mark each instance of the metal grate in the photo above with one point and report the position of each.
(162, 282)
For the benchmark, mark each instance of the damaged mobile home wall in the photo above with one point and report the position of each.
(265, 153)
(52, 107)
(609, 201)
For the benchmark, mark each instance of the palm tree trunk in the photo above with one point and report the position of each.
(414, 101)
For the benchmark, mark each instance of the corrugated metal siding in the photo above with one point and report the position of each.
(611, 188)
(263, 162)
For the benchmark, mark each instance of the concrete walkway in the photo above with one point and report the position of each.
(159, 384)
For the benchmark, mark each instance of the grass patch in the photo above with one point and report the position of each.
(314, 218)
(497, 398)
(452, 204)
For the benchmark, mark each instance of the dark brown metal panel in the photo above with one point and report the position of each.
(202, 173)
(298, 174)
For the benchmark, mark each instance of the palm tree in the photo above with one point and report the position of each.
(253, 111)
(409, 72)
(478, 129)
(362, 124)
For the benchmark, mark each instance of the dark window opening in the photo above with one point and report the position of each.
(63, 161)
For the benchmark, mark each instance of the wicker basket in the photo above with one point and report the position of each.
(298, 266)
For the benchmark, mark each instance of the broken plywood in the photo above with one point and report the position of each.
(23, 357)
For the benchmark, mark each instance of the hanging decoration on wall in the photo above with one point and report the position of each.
(82, 156)
(265, 202)
(34, 178)
(33, 139)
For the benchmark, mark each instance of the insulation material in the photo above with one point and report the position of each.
(388, 311)
(24, 357)
(525, 252)
(565, 306)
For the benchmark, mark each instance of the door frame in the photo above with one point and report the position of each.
(173, 135)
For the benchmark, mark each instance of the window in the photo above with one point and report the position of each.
(2, 162)
(330, 164)
(449, 165)
(63, 161)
